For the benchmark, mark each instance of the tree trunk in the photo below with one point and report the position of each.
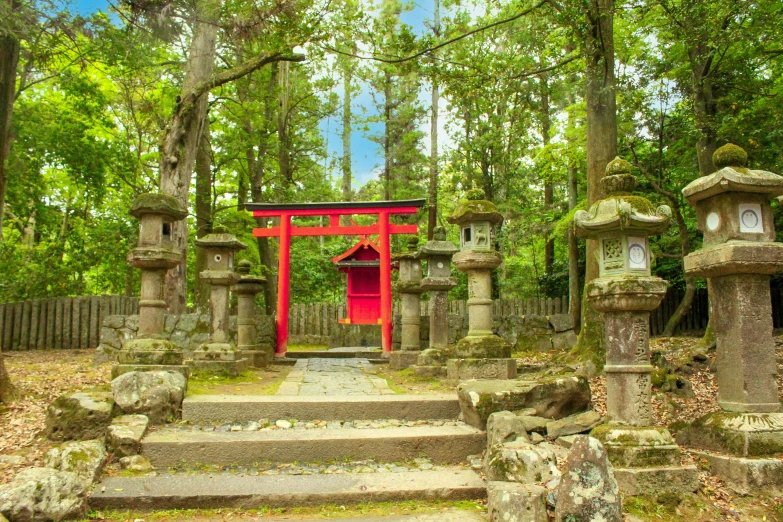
(387, 113)
(704, 106)
(690, 281)
(601, 144)
(7, 390)
(284, 150)
(9, 60)
(574, 288)
(346, 162)
(549, 192)
(201, 290)
(432, 212)
(179, 145)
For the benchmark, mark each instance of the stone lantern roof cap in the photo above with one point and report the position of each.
(220, 238)
(475, 208)
(733, 176)
(438, 246)
(620, 210)
(411, 252)
(158, 203)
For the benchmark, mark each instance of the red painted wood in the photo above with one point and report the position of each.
(283, 284)
(386, 304)
(369, 230)
(337, 211)
(334, 220)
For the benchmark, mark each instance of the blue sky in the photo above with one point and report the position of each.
(366, 155)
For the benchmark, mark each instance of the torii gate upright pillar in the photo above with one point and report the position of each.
(383, 229)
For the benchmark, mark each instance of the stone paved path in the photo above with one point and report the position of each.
(317, 376)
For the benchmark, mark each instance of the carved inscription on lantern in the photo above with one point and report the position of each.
(642, 399)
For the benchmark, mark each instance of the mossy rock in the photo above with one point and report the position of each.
(730, 155)
(490, 346)
(476, 210)
(79, 416)
(158, 203)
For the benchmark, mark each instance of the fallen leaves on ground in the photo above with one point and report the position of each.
(41, 376)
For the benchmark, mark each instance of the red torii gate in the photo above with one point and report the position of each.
(382, 228)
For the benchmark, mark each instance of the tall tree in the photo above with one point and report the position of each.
(9, 60)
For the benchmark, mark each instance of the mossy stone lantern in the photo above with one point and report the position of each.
(154, 255)
(738, 258)
(246, 289)
(219, 355)
(481, 354)
(438, 253)
(626, 292)
(409, 285)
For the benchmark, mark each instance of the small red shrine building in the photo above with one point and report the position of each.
(362, 264)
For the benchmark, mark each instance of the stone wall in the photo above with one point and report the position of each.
(187, 331)
(524, 333)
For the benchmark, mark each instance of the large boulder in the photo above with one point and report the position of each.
(84, 457)
(553, 398)
(505, 426)
(521, 462)
(43, 494)
(509, 502)
(588, 490)
(124, 435)
(158, 395)
(80, 416)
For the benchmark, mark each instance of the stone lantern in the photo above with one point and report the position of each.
(154, 255)
(626, 292)
(246, 289)
(438, 253)
(738, 257)
(219, 355)
(481, 354)
(409, 285)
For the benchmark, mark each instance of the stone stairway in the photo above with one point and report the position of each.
(297, 450)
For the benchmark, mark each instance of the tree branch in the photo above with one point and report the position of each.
(243, 69)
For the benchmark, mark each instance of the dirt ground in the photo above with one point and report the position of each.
(43, 375)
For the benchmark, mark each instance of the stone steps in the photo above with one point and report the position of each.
(218, 490)
(211, 409)
(441, 444)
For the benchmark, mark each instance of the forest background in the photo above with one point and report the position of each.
(223, 102)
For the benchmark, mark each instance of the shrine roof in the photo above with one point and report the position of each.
(336, 205)
(364, 242)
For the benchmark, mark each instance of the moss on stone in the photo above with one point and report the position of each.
(618, 166)
(475, 194)
(476, 210)
(730, 155)
(157, 203)
(640, 204)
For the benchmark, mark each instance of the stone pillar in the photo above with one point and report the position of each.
(219, 355)
(738, 256)
(409, 285)
(646, 459)
(154, 255)
(246, 289)
(482, 354)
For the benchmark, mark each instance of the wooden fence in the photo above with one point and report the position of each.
(59, 322)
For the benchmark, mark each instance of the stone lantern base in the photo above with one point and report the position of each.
(482, 357)
(401, 359)
(147, 355)
(218, 358)
(742, 449)
(646, 460)
(431, 363)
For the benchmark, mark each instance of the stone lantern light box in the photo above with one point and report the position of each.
(476, 235)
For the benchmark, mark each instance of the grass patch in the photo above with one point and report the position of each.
(307, 347)
(255, 381)
(407, 382)
(325, 512)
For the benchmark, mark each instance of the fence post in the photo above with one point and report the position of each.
(76, 322)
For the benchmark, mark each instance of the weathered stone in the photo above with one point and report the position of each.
(511, 502)
(463, 369)
(429, 371)
(567, 441)
(635, 446)
(79, 416)
(158, 395)
(43, 494)
(505, 426)
(85, 458)
(588, 490)
(655, 481)
(573, 424)
(561, 322)
(520, 461)
(136, 463)
(553, 398)
(747, 476)
(399, 360)
(564, 340)
(150, 351)
(124, 435)
(739, 434)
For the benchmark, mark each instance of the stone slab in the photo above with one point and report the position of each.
(740, 434)
(403, 359)
(463, 369)
(441, 444)
(656, 480)
(120, 369)
(205, 491)
(746, 476)
(230, 368)
(334, 354)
